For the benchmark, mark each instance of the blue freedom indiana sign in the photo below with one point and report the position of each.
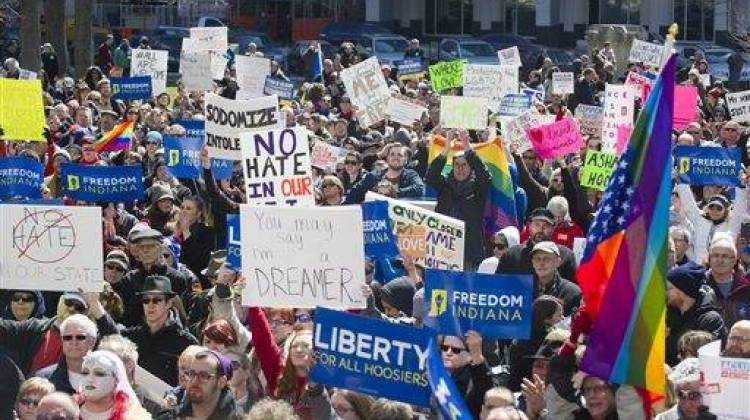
(379, 240)
(708, 165)
(497, 306)
(102, 183)
(282, 88)
(370, 356)
(131, 88)
(20, 177)
(182, 156)
(234, 242)
(221, 168)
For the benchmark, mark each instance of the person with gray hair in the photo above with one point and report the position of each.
(685, 380)
(565, 230)
(58, 406)
(78, 334)
(683, 244)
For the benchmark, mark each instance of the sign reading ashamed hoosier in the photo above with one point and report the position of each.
(374, 357)
(557, 139)
(152, 63)
(102, 183)
(51, 248)
(20, 177)
(739, 105)
(463, 112)
(497, 306)
(302, 257)
(444, 236)
(597, 169)
(276, 164)
(368, 90)
(708, 165)
(21, 110)
(447, 75)
(226, 119)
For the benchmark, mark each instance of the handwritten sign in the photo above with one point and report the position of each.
(444, 235)
(739, 105)
(303, 257)
(51, 248)
(276, 164)
(195, 67)
(640, 84)
(463, 112)
(368, 91)
(725, 383)
(325, 156)
(515, 130)
(557, 139)
(152, 63)
(685, 106)
(646, 53)
(510, 57)
(404, 110)
(281, 88)
(490, 81)
(618, 111)
(251, 75)
(226, 119)
(514, 105)
(597, 169)
(590, 120)
(209, 38)
(412, 240)
(21, 110)
(447, 75)
(563, 83)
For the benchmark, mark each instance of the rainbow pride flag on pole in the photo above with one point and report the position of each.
(624, 267)
(500, 210)
(116, 139)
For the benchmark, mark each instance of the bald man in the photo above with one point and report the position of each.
(738, 341)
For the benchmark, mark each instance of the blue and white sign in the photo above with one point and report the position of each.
(373, 357)
(102, 183)
(183, 153)
(409, 66)
(497, 306)
(234, 241)
(449, 399)
(380, 242)
(533, 94)
(514, 105)
(20, 177)
(708, 165)
(131, 88)
(282, 88)
(193, 128)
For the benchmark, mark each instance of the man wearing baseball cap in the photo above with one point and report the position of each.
(545, 259)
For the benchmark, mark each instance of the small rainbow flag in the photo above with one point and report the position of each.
(500, 210)
(116, 139)
(624, 267)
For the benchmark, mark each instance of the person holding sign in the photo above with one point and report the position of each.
(463, 359)
(462, 194)
(407, 181)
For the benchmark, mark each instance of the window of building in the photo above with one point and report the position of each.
(520, 17)
(626, 12)
(695, 18)
(449, 16)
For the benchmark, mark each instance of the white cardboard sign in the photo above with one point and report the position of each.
(227, 119)
(510, 57)
(151, 63)
(463, 112)
(368, 90)
(646, 53)
(251, 75)
(563, 83)
(210, 38)
(490, 81)
(725, 383)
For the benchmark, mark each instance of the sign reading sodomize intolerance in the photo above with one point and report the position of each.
(302, 257)
(368, 90)
(227, 119)
(276, 164)
(51, 248)
(370, 356)
(102, 183)
(708, 165)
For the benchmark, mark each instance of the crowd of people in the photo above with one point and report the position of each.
(171, 307)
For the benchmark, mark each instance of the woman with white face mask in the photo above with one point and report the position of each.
(105, 391)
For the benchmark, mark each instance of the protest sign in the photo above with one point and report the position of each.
(708, 165)
(226, 119)
(151, 63)
(513, 105)
(449, 399)
(515, 130)
(218, 65)
(221, 168)
(640, 84)
(444, 235)
(495, 306)
(533, 94)
(463, 112)
(685, 106)
(597, 168)
(412, 240)
(302, 257)
(370, 356)
(404, 110)
(579, 246)
(21, 110)
(281, 88)
(24, 74)
(51, 247)
(618, 110)
(739, 105)
(725, 383)
(510, 57)
(447, 75)
(102, 183)
(209, 38)
(409, 69)
(557, 139)
(182, 155)
(251, 75)
(195, 67)
(234, 241)
(325, 156)
(563, 83)
(276, 164)
(131, 88)
(377, 231)
(491, 82)
(20, 177)
(646, 53)
(368, 91)
(590, 120)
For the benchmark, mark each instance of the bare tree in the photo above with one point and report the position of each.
(54, 17)
(83, 41)
(31, 38)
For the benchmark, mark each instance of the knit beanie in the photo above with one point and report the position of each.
(688, 278)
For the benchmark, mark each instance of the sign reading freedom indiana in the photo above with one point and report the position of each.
(708, 165)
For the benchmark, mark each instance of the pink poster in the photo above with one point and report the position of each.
(685, 106)
(557, 139)
(623, 137)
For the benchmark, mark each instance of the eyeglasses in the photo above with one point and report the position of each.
(22, 298)
(454, 350)
(76, 305)
(722, 256)
(29, 402)
(689, 395)
(738, 338)
(155, 301)
(200, 376)
(77, 337)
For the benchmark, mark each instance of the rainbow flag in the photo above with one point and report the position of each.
(116, 139)
(500, 210)
(623, 270)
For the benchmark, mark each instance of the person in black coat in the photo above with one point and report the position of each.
(464, 361)
(462, 194)
(197, 239)
(12, 379)
(545, 258)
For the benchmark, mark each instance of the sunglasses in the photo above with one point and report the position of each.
(155, 301)
(21, 298)
(29, 401)
(76, 305)
(729, 129)
(499, 246)
(689, 395)
(454, 350)
(77, 337)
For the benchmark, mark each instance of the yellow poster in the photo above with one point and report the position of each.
(21, 110)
